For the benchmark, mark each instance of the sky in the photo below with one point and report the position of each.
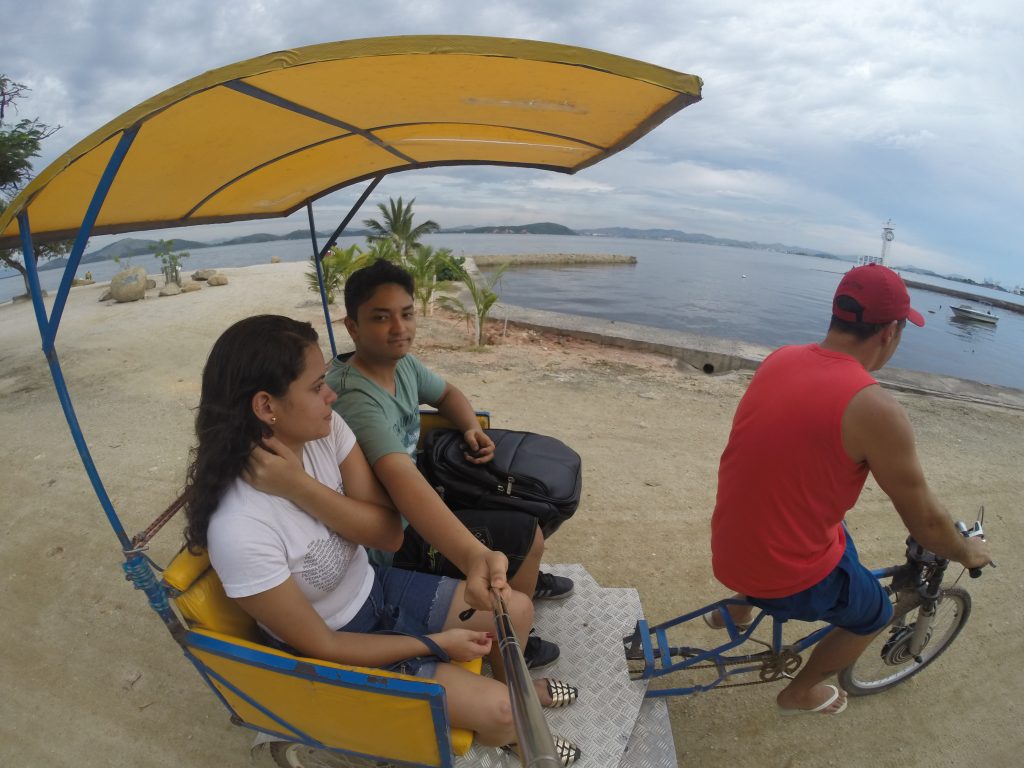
(820, 121)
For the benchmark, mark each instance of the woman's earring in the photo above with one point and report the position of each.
(273, 419)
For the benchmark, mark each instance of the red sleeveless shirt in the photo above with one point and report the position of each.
(785, 482)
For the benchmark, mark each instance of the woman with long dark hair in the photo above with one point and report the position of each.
(286, 503)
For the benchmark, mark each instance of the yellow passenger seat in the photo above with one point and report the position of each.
(358, 710)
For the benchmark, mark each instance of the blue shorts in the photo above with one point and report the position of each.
(409, 603)
(849, 597)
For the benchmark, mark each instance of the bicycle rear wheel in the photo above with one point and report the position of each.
(888, 661)
(291, 755)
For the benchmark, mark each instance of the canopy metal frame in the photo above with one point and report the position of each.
(675, 91)
(50, 324)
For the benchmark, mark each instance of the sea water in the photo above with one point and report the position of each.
(767, 298)
(751, 295)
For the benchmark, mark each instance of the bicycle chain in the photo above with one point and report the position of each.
(772, 668)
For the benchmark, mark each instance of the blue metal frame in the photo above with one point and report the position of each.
(319, 253)
(137, 567)
(317, 259)
(48, 327)
(658, 660)
(658, 657)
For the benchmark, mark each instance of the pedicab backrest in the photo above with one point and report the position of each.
(354, 709)
(431, 420)
(200, 597)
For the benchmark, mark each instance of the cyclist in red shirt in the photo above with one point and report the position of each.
(810, 427)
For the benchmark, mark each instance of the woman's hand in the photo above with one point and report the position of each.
(273, 468)
(463, 644)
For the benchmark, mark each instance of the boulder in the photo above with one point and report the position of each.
(129, 285)
(190, 286)
(275, 259)
(150, 283)
(171, 289)
(79, 281)
(203, 274)
(217, 279)
(105, 296)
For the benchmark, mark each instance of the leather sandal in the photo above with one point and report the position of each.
(742, 626)
(567, 752)
(562, 694)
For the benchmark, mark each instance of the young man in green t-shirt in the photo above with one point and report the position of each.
(380, 388)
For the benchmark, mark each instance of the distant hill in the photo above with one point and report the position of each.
(130, 246)
(298, 234)
(540, 228)
(687, 237)
(123, 249)
(133, 246)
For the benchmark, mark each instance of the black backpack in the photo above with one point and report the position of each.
(529, 473)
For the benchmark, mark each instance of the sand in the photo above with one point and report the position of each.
(89, 677)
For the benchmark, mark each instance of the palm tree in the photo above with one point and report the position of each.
(337, 265)
(397, 227)
(482, 295)
(387, 250)
(424, 265)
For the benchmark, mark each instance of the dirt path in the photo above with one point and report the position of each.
(90, 677)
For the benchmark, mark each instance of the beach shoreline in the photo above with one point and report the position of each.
(93, 679)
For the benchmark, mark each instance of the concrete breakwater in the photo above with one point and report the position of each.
(551, 259)
(1013, 306)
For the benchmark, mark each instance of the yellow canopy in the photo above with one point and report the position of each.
(263, 137)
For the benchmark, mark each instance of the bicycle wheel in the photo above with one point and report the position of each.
(292, 755)
(888, 662)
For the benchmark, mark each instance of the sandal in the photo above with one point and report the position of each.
(741, 626)
(562, 694)
(567, 752)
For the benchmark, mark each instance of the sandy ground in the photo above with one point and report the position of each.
(89, 677)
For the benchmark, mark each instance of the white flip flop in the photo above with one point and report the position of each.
(818, 709)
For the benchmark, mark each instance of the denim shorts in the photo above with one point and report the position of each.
(849, 597)
(406, 602)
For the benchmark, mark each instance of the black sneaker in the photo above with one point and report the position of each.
(539, 653)
(551, 587)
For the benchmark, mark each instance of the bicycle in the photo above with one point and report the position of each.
(927, 618)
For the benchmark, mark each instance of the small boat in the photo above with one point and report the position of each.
(967, 312)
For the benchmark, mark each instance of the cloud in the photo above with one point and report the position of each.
(819, 120)
(570, 184)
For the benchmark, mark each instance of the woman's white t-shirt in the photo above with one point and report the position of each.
(256, 541)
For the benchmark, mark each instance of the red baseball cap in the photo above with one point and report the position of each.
(880, 292)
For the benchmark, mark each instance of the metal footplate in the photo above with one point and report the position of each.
(611, 721)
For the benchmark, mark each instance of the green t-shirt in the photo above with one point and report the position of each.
(384, 423)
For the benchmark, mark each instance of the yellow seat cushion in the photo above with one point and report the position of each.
(200, 597)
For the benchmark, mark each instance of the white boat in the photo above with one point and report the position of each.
(967, 312)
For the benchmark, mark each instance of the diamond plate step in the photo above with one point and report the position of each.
(611, 721)
(610, 714)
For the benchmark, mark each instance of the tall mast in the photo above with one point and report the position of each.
(888, 235)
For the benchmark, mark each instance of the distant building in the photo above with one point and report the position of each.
(888, 235)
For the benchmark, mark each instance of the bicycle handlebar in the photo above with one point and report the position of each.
(918, 553)
(974, 531)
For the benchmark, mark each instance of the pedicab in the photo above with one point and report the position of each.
(264, 138)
